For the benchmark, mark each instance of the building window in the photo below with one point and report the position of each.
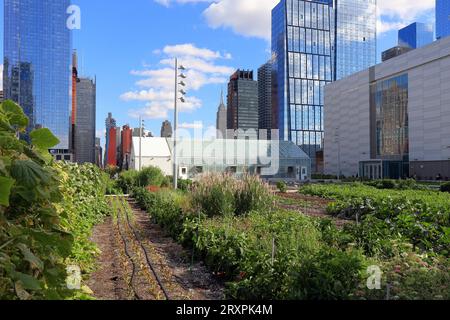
(390, 102)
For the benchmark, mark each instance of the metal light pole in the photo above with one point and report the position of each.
(141, 128)
(337, 140)
(175, 132)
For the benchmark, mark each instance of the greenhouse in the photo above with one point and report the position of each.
(268, 159)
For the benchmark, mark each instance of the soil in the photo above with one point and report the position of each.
(310, 206)
(182, 278)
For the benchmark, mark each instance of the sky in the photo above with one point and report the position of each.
(130, 46)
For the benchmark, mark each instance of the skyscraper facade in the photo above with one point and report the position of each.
(355, 36)
(442, 18)
(37, 53)
(1, 96)
(416, 35)
(111, 150)
(98, 152)
(314, 43)
(110, 122)
(265, 97)
(84, 149)
(221, 122)
(242, 105)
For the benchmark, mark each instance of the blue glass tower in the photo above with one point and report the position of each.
(442, 18)
(356, 36)
(37, 51)
(416, 35)
(314, 43)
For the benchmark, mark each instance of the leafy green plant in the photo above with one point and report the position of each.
(420, 216)
(44, 218)
(285, 255)
(127, 180)
(185, 185)
(150, 176)
(282, 186)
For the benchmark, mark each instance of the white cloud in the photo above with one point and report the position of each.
(1, 77)
(249, 18)
(157, 83)
(167, 3)
(252, 18)
(395, 14)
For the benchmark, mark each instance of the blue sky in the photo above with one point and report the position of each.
(128, 45)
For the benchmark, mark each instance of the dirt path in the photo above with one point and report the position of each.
(308, 205)
(112, 280)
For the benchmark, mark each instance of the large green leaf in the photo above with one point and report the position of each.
(34, 261)
(28, 282)
(5, 190)
(43, 139)
(29, 173)
(14, 114)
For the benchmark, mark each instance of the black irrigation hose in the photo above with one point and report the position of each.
(149, 262)
(127, 253)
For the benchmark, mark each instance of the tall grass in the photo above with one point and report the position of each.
(222, 195)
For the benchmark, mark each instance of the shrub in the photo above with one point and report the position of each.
(282, 187)
(127, 180)
(330, 274)
(150, 176)
(445, 187)
(185, 185)
(167, 182)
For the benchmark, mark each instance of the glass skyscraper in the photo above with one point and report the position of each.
(442, 18)
(37, 51)
(416, 35)
(356, 36)
(314, 43)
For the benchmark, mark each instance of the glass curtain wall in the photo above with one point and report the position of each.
(37, 65)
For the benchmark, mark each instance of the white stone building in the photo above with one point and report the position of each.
(392, 120)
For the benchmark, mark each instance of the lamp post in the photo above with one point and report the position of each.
(178, 76)
(141, 129)
(337, 141)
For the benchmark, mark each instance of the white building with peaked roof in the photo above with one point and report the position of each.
(268, 159)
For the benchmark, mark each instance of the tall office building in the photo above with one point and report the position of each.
(355, 36)
(111, 149)
(242, 109)
(221, 122)
(98, 152)
(37, 54)
(1, 96)
(314, 43)
(73, 116)
(84, 137)
(442, 18)
(416, 35)
(265, 97)
(126, 141)
(110, 122)
(166, 129)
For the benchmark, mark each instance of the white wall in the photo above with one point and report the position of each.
(347, 114)
(347, 106)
